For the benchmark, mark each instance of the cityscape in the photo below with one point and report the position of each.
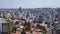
(30, 21)
(29, 16)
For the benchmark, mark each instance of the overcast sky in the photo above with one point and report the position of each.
(29, 3)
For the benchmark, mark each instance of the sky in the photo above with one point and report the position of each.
(29, 3)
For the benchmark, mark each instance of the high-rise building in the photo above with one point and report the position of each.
(41, 17)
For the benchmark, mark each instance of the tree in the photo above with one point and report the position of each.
(23, 31)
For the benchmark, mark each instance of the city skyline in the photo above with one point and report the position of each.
(30, 3)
